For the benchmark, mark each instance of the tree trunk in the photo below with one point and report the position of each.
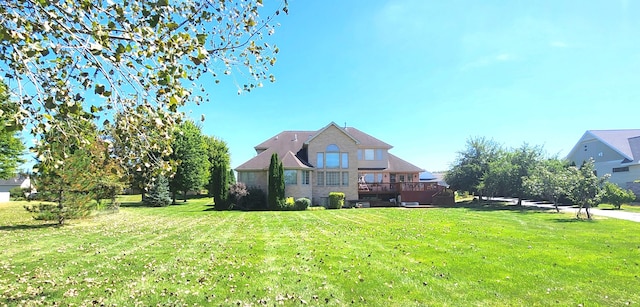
(555, 203)
(173, 197)
(519, 201)
(579, 210)
(184, 196)
(586, 209)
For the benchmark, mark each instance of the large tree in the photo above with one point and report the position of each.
(83, 170)
(549, 180)
(506, 174)
(472, 164)
(11, 146)
(275, 196)
(190, 155)
(93, 59)
(219, 164)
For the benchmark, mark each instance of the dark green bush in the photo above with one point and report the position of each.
(336, 200)
(255, 199)
(302, 204)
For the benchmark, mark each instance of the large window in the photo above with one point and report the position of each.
(248, 178)
(333, 178)
(290, 176)
(332, 158)
(378, 154)
(306, 177)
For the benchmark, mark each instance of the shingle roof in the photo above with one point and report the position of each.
(398, 165)
(624, 141)
(290, 148)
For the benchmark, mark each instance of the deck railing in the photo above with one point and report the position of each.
(397, 187)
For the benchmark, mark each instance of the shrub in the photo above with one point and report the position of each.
(336, 200)
(302, 204)
(316, 208)
(287, 204)
(17, 193)
(255, 199)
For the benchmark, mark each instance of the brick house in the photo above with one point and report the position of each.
(336, 159)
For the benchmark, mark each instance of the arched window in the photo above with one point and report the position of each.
(332, 148)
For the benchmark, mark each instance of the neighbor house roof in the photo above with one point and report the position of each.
(624, 141)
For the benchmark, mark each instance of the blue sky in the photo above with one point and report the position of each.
(424, 76)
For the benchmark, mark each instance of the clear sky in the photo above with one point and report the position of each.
(424, 76)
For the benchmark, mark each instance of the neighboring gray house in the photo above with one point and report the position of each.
(6, 185)
(615, 152)
(334, 158)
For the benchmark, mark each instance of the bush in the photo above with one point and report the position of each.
(302, 204)
(287, 204)
(17, 193)
(336, 200)
(255, 199)
(316, 208)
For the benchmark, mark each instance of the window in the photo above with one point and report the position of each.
(379, 154)
(320, 178)
(332, 148)
(290, 176)
(345, 178)
(401, 178)
(320, 160)
(333, 178)
(306, 177)
(345, 160)
(369, 154)
(248, 178)
(359, 154)
(620, 169)
(333, 160)
(392, 178)
(379, 177)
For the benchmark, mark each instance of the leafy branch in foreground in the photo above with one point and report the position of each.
(94, 59)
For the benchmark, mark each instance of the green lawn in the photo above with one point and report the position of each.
(189, 255)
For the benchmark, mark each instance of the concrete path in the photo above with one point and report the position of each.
(617, 214)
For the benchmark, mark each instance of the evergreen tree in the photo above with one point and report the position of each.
(159, 195)
(190, 153)
(275, 197)
(219, 180)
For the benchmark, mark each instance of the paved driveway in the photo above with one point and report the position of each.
(618, 214)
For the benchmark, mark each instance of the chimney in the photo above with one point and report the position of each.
(295, 137)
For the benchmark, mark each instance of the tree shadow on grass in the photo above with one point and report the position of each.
(496, 206)
(27, 226)
(574, 220)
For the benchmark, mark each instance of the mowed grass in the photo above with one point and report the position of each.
(190, 255)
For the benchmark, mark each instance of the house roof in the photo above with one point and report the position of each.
(287, 144)
(398, 165)
(624, 141)
(290, 147)
(15, 181)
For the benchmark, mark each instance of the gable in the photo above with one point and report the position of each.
(607, 145)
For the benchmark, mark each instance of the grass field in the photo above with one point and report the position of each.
(189, 255)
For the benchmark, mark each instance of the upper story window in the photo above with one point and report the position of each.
(370, 154)
(332, 158)
(620, 169)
